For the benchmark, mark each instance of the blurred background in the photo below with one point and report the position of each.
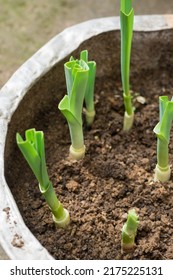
(26, 25)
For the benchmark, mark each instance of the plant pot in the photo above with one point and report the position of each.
(30, 99)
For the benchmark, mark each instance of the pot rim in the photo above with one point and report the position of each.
(14, 233)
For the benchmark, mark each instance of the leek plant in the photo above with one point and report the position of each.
(89, 93)
(33, 151)
(162, 130)
(76, 73)
(129, 230)
(126, 21)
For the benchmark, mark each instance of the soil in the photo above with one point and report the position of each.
(115, 176)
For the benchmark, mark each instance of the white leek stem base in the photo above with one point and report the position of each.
(89, 117)
(162, 174)
(62, 223)
(77, 153)
(128, 121)
(127, 247)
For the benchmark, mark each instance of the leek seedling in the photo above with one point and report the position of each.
(162, 130)
(126, 21)
(34, 152)
(89, 93)
(129, 230)
(76, 73)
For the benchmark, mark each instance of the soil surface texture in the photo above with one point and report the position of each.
(115, 176)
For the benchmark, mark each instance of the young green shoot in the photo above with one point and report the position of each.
(89, 93)
(129, 231)
(162, 130)
(33, 151)
(126, 21)
(76, 73)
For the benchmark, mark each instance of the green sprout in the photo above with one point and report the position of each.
(126, 21)
(129, 230)
(33, 151)
(89, 93)
(76, 73)
(162, 130)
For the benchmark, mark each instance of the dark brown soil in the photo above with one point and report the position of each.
(115, 176)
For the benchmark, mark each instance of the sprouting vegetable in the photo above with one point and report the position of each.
(162, 130)
(126, 21)
(89, 93)
(33, 151)
(129, 230)
(76, 73)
